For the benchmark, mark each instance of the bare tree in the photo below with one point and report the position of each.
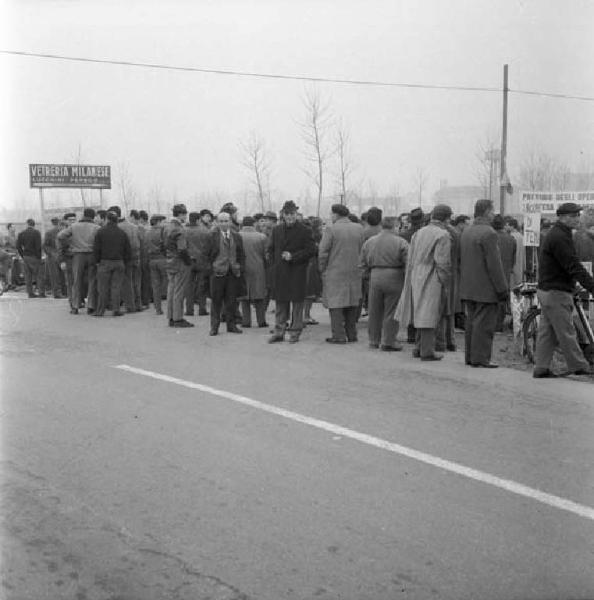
(255, 159)
(155, 199)
(487, 171)
(314, 130)
(542, 172)
(126, 188)
(420, 181)
(345, 166)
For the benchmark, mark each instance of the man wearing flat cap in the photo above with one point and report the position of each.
(338, 259)
(290, 248)
(559, 269)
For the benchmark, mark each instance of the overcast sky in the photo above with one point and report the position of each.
(180, 130)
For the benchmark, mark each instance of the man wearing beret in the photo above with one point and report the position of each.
(559, 269)
(290, 248)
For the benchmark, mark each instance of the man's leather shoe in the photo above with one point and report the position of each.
(159, 311)
(581, 372)
(293, 339)
(202, 313)
(332, 340)
(90, 311)
(543, 373)
(213, 332)
(432, 357)
(171, 322)
(74, 311)
(373, 346)
(416, 353)
(392, 348)
(276, 338)
(33, 296)
(234, 330)
(118, 313)
(352, 340)
(182, 323)
(451, 348)
(487, 365)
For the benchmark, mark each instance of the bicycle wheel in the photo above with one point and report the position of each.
(530, 331)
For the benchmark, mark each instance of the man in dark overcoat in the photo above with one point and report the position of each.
(482, 284)
(291, 246)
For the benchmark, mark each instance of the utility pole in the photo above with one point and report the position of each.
(503, 173)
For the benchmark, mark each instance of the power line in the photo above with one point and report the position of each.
(312, 79)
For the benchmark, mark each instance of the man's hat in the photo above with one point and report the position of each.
(416, 215)
(289, 207)
(569, 208)
(179, 209)
(270, 214)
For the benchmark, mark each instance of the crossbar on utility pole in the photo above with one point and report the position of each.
(503, 171)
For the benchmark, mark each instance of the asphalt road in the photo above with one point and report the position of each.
(227, 468)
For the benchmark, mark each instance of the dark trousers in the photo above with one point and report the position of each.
(343, 322)
(145, 282)
(285, 312)
(445, 335)
(131, 285)
(191, 290)
(84, 263)
(33, 271)
(158, 272)
(425, 341)
(223, 292)
(479, 329)
(110, 274)
(246, 312)
(385, 288)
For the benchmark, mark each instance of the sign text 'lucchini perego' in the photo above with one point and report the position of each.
(70, 176)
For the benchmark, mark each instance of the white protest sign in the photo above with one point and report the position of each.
(532, 229)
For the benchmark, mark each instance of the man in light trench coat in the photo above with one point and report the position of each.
(338, 258)
(426, 283)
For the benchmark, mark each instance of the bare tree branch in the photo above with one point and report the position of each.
(314, 131)
(254, 158)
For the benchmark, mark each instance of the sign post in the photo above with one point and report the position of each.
(43, 176)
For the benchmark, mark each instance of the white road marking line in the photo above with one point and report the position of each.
(581, 510)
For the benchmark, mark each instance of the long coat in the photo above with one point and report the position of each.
(254, 247)
(482, 277)
(428, 276)
(338, 258)
(288, 278)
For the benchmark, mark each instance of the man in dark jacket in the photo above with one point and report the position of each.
(28, 245)
(225, 256)
(507, 249)
(291, 247)
(559, 269)
(111, 249)
(482, 285)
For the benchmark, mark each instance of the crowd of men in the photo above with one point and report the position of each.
(416, 276)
